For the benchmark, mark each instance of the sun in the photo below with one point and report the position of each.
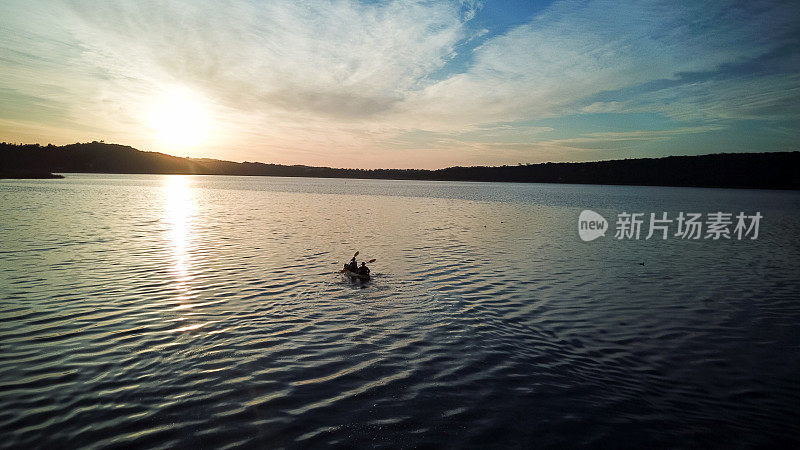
(179, 119)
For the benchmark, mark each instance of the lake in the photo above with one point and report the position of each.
(207, 312)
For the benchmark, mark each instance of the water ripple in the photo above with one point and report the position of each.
(206, 311)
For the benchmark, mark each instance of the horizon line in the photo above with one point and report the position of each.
(391, 168)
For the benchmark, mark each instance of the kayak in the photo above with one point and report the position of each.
(355, 275)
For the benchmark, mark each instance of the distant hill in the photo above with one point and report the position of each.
(742, 170)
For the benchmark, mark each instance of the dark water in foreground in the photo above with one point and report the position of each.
(164, 311)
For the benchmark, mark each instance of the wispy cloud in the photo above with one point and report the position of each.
(617, 140)
(579, 49)
(772, 97)
(350, 83)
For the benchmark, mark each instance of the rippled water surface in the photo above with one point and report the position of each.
(164, 311)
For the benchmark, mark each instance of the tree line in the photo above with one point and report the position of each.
(775, 170)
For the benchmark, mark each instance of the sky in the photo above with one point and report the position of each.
(403, 84)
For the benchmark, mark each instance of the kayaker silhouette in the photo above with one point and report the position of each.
(353, 270)
(363, 270)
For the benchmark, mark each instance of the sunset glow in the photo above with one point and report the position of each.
(179, 120)
(396, 84)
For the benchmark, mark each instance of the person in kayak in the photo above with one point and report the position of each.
(352, 266)
(363, 270)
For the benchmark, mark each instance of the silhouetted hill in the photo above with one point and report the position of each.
(745, 170)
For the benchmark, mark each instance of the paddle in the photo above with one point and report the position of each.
(356, 254)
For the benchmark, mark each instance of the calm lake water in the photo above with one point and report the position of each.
(204, 311)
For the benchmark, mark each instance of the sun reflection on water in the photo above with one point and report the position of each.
(179, 214)
(179, 209)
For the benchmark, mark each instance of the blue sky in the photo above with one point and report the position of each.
(404, 83)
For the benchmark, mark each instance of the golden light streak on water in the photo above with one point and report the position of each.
(179, 208)
(179, 215)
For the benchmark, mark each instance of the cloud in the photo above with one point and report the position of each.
(616, 140)
(341, 81)
(579, 49)
(773, 97)
(329, 59)
(263, 69)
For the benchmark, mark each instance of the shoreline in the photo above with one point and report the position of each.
(767, 170)
(433, 180)
(30, 176)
